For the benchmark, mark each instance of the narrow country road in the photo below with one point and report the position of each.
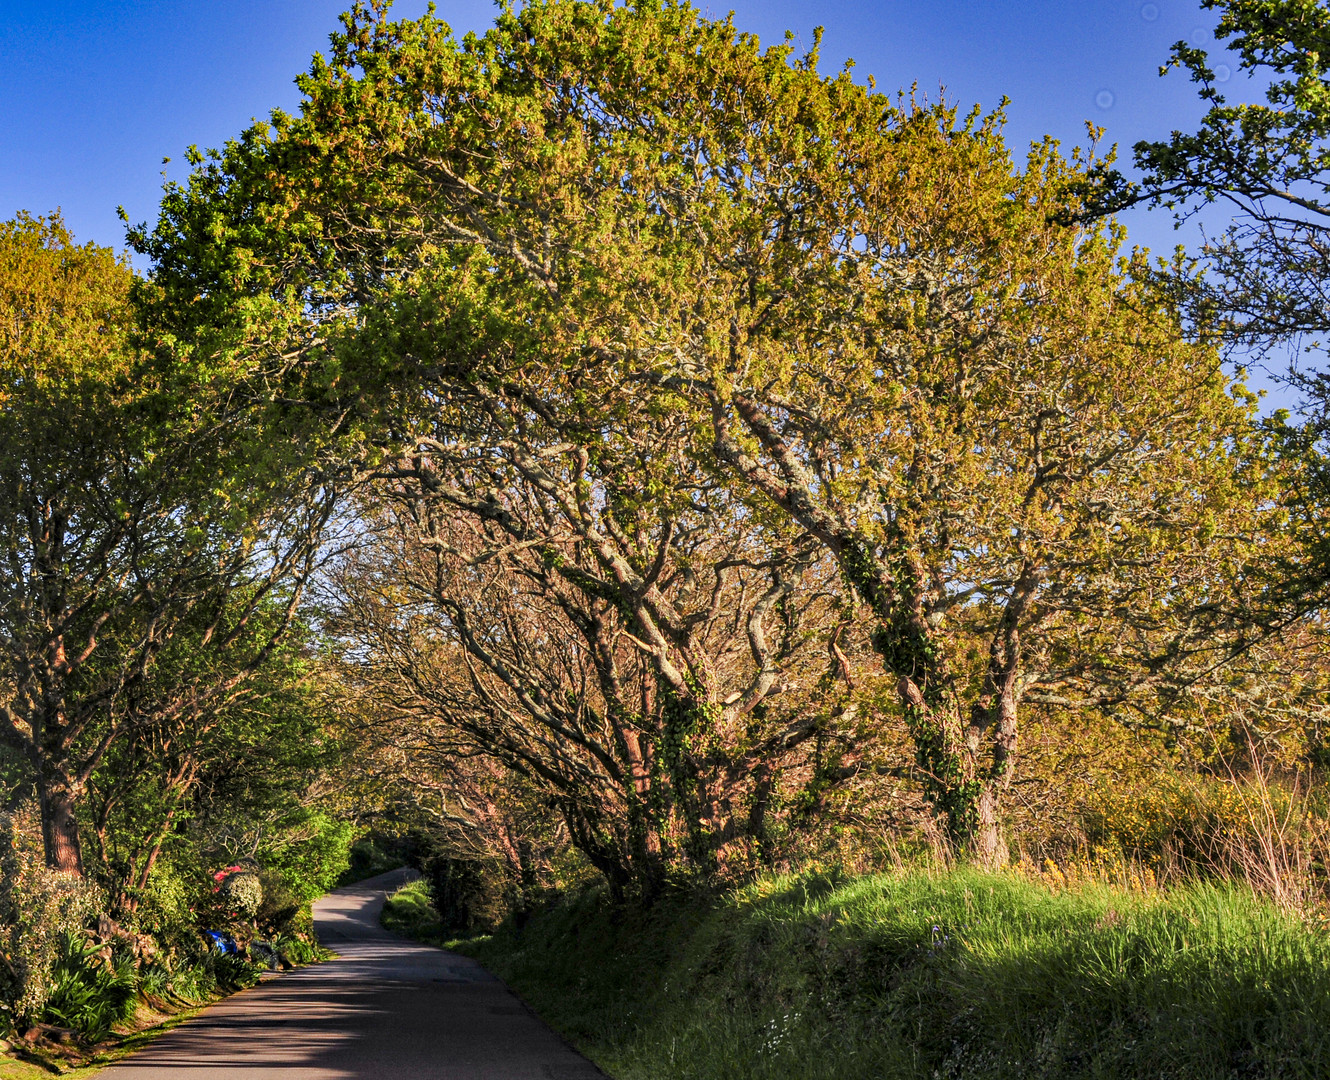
(387, 1008)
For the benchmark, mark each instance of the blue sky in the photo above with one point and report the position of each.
(96, 94)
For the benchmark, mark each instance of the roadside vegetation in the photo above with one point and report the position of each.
(410, 911)
(922, 974)
(619, 467)
(82, 977)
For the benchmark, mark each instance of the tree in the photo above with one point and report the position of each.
(880, 340)
(125, 515)
(643, 659)
(145, 791)
(1267, 164)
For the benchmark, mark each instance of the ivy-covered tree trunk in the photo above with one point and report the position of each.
(964, 787)
(994, 729)
(908, 643)
(944, 761)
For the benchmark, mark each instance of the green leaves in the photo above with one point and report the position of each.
(1268, 163)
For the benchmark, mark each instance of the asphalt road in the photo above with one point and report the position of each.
(387, 1008)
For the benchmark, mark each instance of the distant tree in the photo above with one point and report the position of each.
(648, 664)
(878, 337)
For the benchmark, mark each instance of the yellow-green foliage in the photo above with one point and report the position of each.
(1201, 819)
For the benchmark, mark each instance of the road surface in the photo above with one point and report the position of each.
(387, 1008)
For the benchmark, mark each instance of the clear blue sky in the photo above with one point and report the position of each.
(96, 94)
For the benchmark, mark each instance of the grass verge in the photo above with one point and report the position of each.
(410, 912)
(78, 1064)
(927, 975)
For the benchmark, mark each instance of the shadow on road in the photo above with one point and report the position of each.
(386, 1009)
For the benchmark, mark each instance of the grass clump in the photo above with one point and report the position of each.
(929, 974)
(410, 912)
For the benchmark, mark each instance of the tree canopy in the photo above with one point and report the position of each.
(512, 258)
(131, 511)
(1265, 162)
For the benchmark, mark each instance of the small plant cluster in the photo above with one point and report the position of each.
(411, 912)
(93, 989)
(1101, 866)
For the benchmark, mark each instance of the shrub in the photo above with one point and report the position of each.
(280, 912)
(38, 908)
(165, 909)
(311, 864)
(468, 895)
(242, 895)
(1271, 832)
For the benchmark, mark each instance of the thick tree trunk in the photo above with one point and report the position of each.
(946, 766)
(995, 722)
(60, 833)
(990, 844)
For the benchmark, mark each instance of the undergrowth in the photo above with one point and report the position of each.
(930, 975)
(92, 994)
(410, 912)
(95, 990)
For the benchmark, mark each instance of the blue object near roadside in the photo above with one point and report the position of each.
(221, 942)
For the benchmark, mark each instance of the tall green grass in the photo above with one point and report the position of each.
(410, 912)
(917, 974)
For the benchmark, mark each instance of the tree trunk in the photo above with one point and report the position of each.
(995, 721)
(947, 768)
(60, 831)
(154, 853)
(990, 845)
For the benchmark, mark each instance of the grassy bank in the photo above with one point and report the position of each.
(410, 912)
(957, 974)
